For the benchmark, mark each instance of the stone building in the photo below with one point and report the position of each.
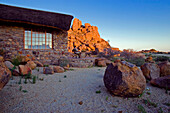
(33, 32)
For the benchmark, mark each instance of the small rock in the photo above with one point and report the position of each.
(31, 64)
(39, 64)
(58, 69)
(162, 82)
(24, 70)
(48, 70)
(81, 102)
(9, 65)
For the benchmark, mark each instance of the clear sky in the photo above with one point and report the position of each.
(134, 24)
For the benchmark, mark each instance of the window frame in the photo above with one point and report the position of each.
(38, 32)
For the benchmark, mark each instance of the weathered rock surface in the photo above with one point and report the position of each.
(39, 64)
(48, 70)
(162, 82)
(5, 75)
(150, 70)
(58, 69)
(101, 63)
(31, 64)
(24, 70)
(124, 79)
(9, 65)
(164, 68)
(85, 37)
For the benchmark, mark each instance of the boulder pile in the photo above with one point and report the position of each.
(85, 37)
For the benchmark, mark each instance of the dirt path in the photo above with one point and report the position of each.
(74, 92)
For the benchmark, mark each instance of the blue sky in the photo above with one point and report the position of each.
(134, 24)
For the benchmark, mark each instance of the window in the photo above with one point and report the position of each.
(37, 40)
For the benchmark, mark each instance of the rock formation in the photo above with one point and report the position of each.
(85, 37)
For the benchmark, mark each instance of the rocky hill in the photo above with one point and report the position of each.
(85, 37)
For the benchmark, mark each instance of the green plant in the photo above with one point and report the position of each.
(141, 94)
(17, 60)
(71, 69)
(98, 91)
(63, 62)
(25, 91)
(46, 66)
(150, 103)
(19, 81)
(162, 58)
(34, 79)
(107, 98)
(160, 110)
(2, 52)
(141, 109)
(65, 76)
(59, 80)
(20, 88)
(167, 104)
(136, 61)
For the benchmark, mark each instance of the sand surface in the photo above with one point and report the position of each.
(74, 92)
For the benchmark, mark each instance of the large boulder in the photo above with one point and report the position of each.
(39, 64)
(31, 64)
(24, 70)
(150, 70)
(162, 82)
(5, 75)
(124, 79)
(164, 68)
(58, 69)
(48, 70)
(9, 65)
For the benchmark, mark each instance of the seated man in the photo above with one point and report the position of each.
(75, 51)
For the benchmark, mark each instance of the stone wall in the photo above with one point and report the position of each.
(12, 41)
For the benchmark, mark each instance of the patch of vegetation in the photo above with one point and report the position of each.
(63, 62)
(167, 104)
(141, 109)
(160, 110)
(114, 106)
(25, 91)
(162, 58)
(45, 65)
(34, 79)
(20, 88)
(65, 76)
(107, 98)
(148, 102)
(98, 91)
(141, 94)
(136, 61)
(71, 69)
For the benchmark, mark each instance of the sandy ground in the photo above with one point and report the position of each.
(60, 94)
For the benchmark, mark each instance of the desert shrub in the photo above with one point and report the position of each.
(16, 60)
(162, 58)
(136, 61)
(63, 62)
(2, 52)
(115, 58)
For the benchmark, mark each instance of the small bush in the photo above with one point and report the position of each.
(63, 62)
(162, 58)
(17, 60)
(137, 61)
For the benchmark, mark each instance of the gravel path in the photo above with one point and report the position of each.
(74, 92)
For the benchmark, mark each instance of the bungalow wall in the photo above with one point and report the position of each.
(12, 41)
